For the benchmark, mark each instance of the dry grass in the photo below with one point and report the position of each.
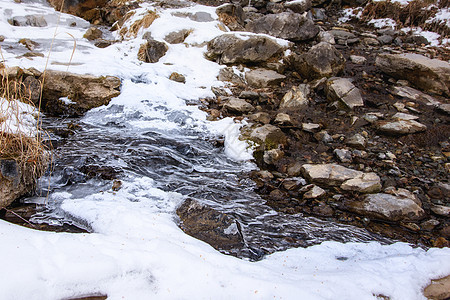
(28, 151)
(416, 13)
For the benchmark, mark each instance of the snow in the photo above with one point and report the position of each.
(442, 16)
(400, 2)
(137, 251)
(383, 23)
(17, 117)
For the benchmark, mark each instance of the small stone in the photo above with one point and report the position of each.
(323, 136)
(429, 225)
(297, 97)
(293, 183)
(261, 78)
(441, 210)
(266, 175)
(238, 106)
(311, 127)
(403, 116)
(323, 210)
(400, 127)
(283, 119)
(357, 141)
(359, 60)
(117, 185)
(2, 38)
(314, 192)
(343, 89)
(93, 33)
(343, 155)
(177, 37)
(31, 45)
(294, 169)
(268, 135)
(228, 74)
(177, 77)
(260, 117)
(438, 289)
(272, 156)
(152, 51)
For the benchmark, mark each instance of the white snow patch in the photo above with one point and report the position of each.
(17, 117)
(383, 23)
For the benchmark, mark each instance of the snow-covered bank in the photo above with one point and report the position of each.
(137, 251)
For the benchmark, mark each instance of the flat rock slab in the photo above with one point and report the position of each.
(432, 75)
(343, 89)
(261, 78)
(329, 174)
(388, 207)
(398, 127)
(239, 106)
(367, 183)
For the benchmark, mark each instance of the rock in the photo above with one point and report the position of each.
(231, 49)
(260, 117)
(323, 136)
(311, 127)
(286, 25)
(367, 183)
(177, 37)
(2, 38)
(261, 78)
(269, 136)
(327, 37)
(400, 127)
(329, 174)
(359, 60)
(228, 74)
(93, 33)
(249, 95)
(416, 39)
(431, 75)
(438, 289)
(343, 37)
(441, 210)
(272, 156)
(413, 94)
(31, 45)
(403, 116)
(238, 106)
(177, 77)
(298, 6)
(295, 169)
(385, 39)
(78, 8)
(218, 229)
(388, 207)
(232, 15)
(29, 20)
(343, 155)
(429, 225)
(32, 89)
(292, 184)
(357, 141)
(296, 98)
(283, 119)
(343, 89)
(313, 191)
(322, 60)
(83, 92)
(152, 51)
(323, 209)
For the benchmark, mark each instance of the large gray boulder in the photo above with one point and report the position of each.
(431, 75)
(322, 60)
(285, 25)
(231, 49)
(74, 94)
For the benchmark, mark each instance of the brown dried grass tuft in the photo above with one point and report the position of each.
(145, 22)
(416, 13)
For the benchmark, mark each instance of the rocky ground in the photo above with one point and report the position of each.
(348, 122)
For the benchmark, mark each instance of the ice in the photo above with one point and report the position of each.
(136, 250)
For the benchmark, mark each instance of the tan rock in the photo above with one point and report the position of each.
(438, 289)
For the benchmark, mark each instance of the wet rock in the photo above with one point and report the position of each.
(238, 106)
(231, 49)
(296, 98)
(30, 20)
(152, 51)
(285, 25)
(260, 117)
(271, 137)
(441, 210)
(81, 92)
(388, 207)
(427, 74)
(231, 15)
(93, 33)
(177, 77)
(357, 141)
(272, 156)
(261, 78)
(219, 230)
(357, 59)
(343, 89)
(343, 155)
(177, 37)
(329, 174)
(399, 127)
(365, 183)
(322, 60)
(438, 289)
(298, 7)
